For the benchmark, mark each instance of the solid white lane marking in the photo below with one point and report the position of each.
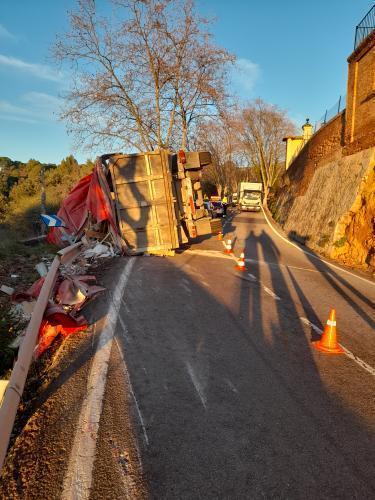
(348, 353)
(252, 276)
(315, 256)
(270, 292)
(197, 384)
(142, 422)
(78, 477)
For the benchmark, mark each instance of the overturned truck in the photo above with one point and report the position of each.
(152, 202)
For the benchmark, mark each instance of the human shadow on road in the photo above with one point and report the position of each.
(342, 286)
(231, 398)
(275, 334)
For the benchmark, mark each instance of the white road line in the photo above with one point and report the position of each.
(197, 384)
(349, 354)
(78, 477)
(277, 264)
(217, 254)
(252, 276)
(315, 256)
(270, 292)
(314, 327)
(142, 422)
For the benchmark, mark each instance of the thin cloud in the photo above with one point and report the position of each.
(245, 75)
(10, 112)
(4, 33)
(35, 107)
(37, 70)
(42, 100)
(7, 107)
(19, 119)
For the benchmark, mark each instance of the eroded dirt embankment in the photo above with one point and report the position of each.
(328, 202)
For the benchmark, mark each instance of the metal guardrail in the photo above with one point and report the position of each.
(13, 393)
(331, 112)
(364, 27)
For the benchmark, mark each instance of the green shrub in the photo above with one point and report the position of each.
(341, 242)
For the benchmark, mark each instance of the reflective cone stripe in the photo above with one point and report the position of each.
(328, 342)
(241, 262)
(228, 247)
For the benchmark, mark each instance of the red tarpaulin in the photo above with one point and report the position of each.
(90, 196)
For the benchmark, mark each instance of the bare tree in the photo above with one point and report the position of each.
(141, 76)
(261, 128)
(220, 137)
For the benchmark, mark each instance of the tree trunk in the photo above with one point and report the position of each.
(266, 193)
(43, 208)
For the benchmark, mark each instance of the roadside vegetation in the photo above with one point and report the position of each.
(26, 191)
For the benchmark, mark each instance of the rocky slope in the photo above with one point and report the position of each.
(334, 212)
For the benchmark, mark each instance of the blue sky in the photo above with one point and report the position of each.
(290, 53)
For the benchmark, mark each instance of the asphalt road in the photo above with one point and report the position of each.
(214, 389)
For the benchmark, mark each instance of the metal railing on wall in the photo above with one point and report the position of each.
(365, 27)
(331, 112)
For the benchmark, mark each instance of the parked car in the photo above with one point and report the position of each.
(217, 209)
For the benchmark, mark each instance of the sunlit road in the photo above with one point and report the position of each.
(214, 389)
(234, 400)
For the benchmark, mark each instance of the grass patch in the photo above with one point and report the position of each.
(341, 242)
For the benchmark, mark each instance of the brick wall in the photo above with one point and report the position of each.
(325, 145)
(360, 111)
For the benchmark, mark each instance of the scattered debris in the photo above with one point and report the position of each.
(99, 250)
(30, 294)
(7, 289)
(42, 269)
(22, 311)
(87, 208)
(51, 220)
(57, 323)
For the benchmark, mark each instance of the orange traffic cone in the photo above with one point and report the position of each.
(240, 266)
(220, 236)
(228, 247)
(328, 342)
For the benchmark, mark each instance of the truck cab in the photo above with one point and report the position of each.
(251, 201)
(250, 196)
